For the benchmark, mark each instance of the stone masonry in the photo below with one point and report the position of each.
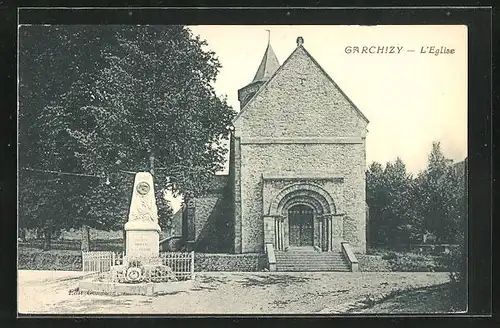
(299, 122)
(297, 141)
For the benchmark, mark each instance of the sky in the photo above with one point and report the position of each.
(411, 99)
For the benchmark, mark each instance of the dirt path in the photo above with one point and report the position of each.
(236, 293)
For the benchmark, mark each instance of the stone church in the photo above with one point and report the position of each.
(296, 167)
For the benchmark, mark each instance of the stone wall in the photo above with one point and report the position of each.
(235, 191)
(213, 223)
(231, 192)
(204, 206)
(176, 226)
(300, 101)
(343, 160)
(299, 122)
(230, 262)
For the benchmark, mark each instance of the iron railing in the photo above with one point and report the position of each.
(180, 263)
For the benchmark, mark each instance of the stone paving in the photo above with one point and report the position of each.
(230, 293)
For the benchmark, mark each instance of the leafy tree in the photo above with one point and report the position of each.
(154, 108)
(137, 98)
(389, 197)
(442, 200)
(401, 213)
(50, 65)
(376, 198)
(165, 211)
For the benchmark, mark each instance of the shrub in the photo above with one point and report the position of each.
(456, 264)
(372, 263)
(162, 273)
(405, 261)
(416, 263)
(390, 256)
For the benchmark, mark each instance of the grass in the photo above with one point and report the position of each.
(429, 299)
(406, 261)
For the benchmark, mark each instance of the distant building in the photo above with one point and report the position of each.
(296, 168)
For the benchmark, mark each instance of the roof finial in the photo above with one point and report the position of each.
(268, 36)
(300, 41)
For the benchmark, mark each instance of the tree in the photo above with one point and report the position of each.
(443, 197)
(376, 199)
(137, 98)
(50, 65)
(169, 119)
(165, 211)
(389, 193)
(402, 209)
(155, 108)
(432, 204)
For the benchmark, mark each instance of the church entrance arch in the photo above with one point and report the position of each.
(302, 214)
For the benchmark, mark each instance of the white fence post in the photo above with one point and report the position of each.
(192, 265)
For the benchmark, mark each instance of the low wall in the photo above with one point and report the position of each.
(349, 255)
(229, 262)
(68, 260)
(401, 262)
(51, 260)
(372, 263)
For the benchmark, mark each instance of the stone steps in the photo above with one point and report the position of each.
(310, 260)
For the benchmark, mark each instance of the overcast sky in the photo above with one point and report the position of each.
(410, 98)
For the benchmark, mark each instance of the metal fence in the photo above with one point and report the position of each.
(182, 264)
(100, 261)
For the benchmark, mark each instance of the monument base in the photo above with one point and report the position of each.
(144, 243)
(149, 289)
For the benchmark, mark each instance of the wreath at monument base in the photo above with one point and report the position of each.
(136, 272)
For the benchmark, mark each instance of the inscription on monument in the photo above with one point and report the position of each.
(142, 243)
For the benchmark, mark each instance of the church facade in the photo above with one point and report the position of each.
(296, 166)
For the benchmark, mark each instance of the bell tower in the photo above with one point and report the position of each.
(268, 65)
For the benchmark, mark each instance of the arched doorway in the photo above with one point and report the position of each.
(301, 225)
(303, 215)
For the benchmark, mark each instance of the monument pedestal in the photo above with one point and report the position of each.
(143, 239)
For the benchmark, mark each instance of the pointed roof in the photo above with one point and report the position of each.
(268, 65)
(300, 46)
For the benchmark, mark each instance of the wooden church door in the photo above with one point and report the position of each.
(301, 219)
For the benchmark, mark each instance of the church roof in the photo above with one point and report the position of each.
(268, 65)
(300, 47)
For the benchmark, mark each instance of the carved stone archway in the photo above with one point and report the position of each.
(327, 223)
(308, 192)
